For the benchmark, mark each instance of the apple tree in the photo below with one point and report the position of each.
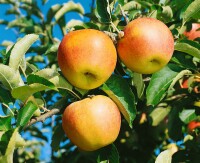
(158, 110)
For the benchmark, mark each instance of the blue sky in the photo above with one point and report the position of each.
(11, 35)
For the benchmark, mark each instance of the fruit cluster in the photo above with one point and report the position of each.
(88, 57)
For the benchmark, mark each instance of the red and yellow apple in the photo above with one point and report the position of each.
(147, 45)
(87, 58)
(92, 123)
(194, 32)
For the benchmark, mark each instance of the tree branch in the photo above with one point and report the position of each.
(55, 109)
(43, 117)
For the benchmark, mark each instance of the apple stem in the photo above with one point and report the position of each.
(120, 33)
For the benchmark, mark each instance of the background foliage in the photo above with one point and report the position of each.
(156, 108)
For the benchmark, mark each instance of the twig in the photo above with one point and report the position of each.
(43, 117)
(55, 109)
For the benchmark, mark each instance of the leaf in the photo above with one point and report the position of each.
(108, 154)
(187, 115)
(57, 137)
(47, 73)
(191, 10)
(183, 60)
(190, 47)
(37, 79)
(10, 140)
(119, 91)
(158, 114)
(62, 83)
(164, 157)
(51, 12)
(52, 49)
(20, 48)
(9, 78)
(103, 12)
(25, 113)
(139, 84)
(160, 81)
(24, 92)
(5, 123)
(67, 7)
(5, 96)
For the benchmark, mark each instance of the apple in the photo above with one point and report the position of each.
(87, 58)
(194, 32)
(147, 45)
(193, 125)
(92, 123)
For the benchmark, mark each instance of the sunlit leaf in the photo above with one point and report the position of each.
(9, 78)
(67, 7)
(10, 140)
(20, 49)
(191, 10)
(164, 157)
(187, 115)
(190, 47)
(24, 92)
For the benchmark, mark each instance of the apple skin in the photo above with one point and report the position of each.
(194, 32)
(147, 45)
(92, 123)
(193, 125)
(87, 58)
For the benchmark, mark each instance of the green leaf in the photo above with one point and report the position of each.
(67, 7)
(108, 154)
(51, 12)
(25, 113)
(187, 115)
(190, 47)
(9, 78)
(19, 50)
(183, 60)
(5, 96)
(57, 137)
(191, 11)
(119, 91)
(47, 73)
(5, 123)
(103, 12)
(61, 83)
(160, 81)
(10, 140)
(37, 79)
(52, 49)
(24, 92)
(158, 114)
(139, 84)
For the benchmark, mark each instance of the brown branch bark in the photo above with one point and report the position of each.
(43, 117)
(55, 109)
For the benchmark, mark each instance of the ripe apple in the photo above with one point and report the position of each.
(92, 123)
(147, 45)
(193, 125)
(87, 58)
(194, 32)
